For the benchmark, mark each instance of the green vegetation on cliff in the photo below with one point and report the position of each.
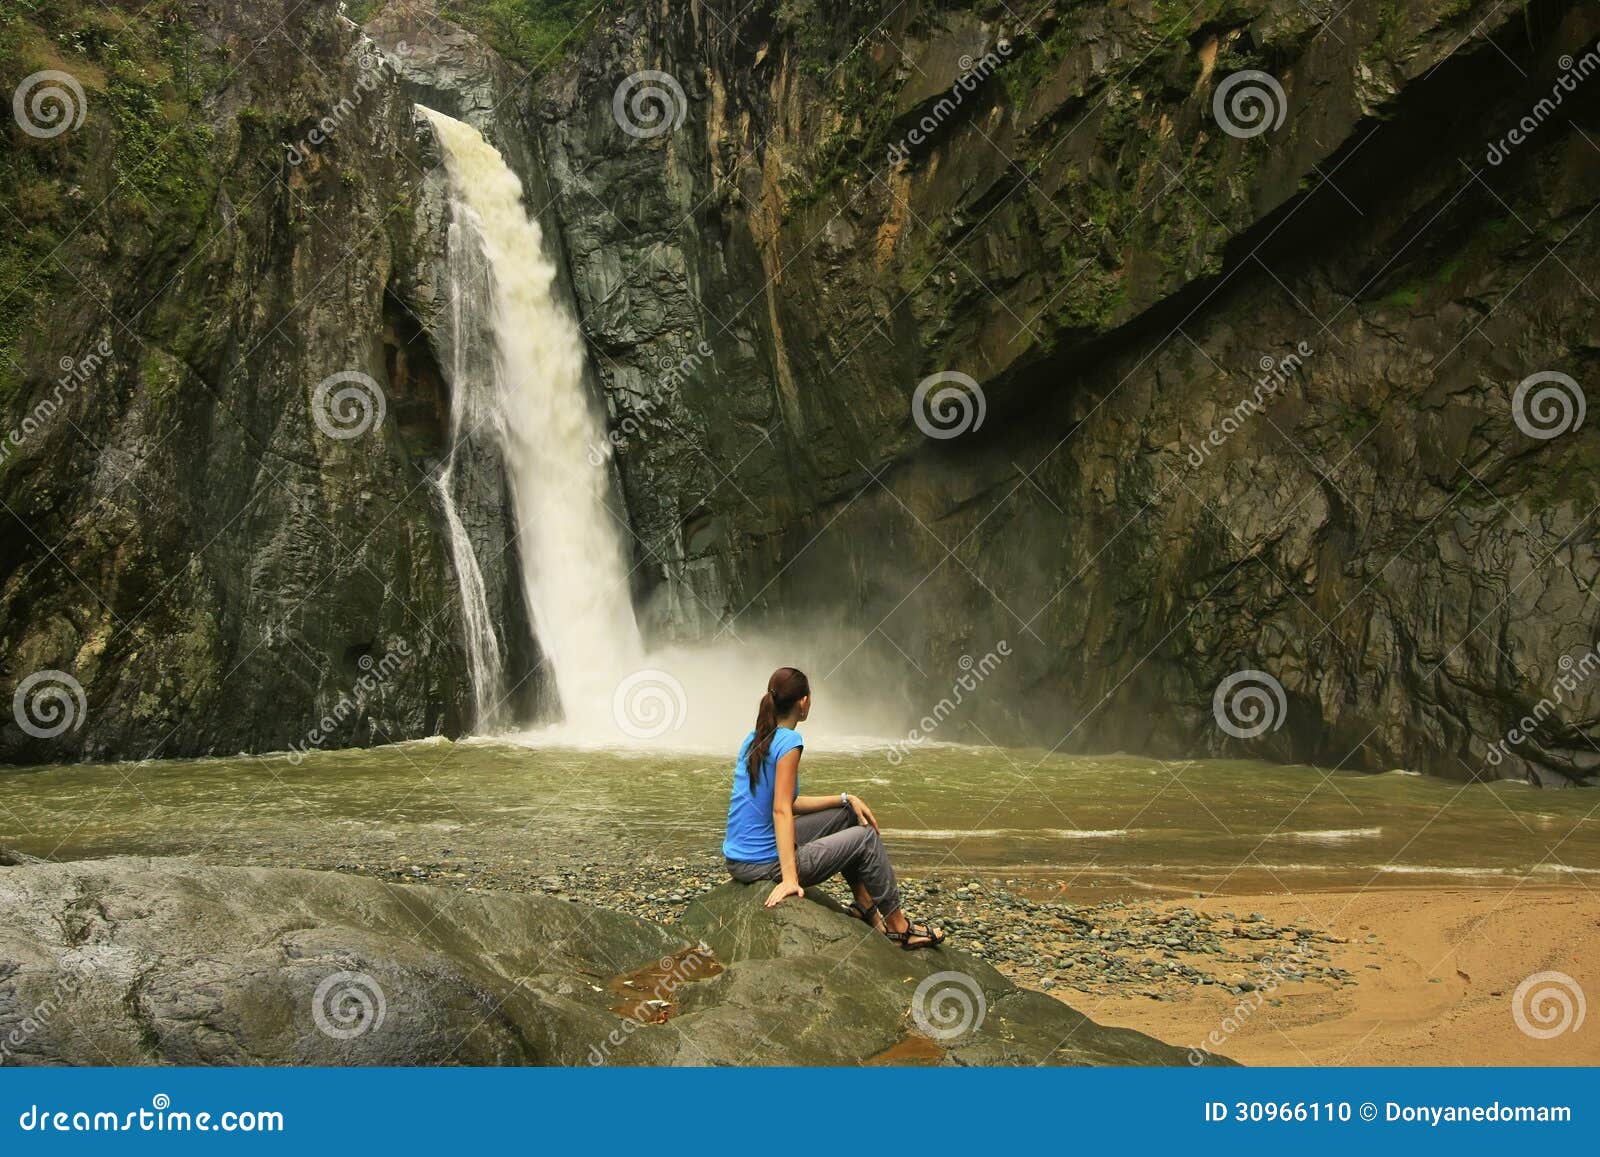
(533, 34)
(137, 169)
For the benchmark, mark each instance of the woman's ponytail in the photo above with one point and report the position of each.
(786, 688)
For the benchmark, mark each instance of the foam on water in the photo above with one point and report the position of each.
(1010, 833)
(1330, 835)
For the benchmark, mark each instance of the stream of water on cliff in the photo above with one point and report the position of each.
(574, 570)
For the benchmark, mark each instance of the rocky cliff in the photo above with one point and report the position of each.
(221, 422)
(857, 199)
(1241, 296)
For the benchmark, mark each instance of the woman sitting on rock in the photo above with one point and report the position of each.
(775, 833)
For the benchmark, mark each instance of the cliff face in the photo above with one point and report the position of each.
(1248, 399)
(855, 201)
(220, 540)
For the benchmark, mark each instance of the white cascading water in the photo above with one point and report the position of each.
(574, 573)
(472, 403)
(484, 660)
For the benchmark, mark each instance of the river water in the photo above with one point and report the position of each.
(1102, 825)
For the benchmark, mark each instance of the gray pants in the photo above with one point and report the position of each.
(830, 843)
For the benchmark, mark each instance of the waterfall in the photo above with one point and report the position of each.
(484, 661)
(473, 388)
(532, 397)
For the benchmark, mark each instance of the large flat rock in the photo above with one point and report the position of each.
(136, 961)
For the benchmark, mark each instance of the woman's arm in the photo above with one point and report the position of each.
(783, 809)
(820, 803)
(806, 804)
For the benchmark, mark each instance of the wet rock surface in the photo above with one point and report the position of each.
(133, 961)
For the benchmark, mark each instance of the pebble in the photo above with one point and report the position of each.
(1023, 928)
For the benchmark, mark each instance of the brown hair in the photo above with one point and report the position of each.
(786, 688)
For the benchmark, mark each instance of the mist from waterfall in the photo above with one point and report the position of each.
(536, 403)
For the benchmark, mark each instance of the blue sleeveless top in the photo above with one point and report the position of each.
(751, 838)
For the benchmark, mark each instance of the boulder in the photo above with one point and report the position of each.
(143, 961)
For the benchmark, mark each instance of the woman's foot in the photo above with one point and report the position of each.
(909, 935)
(867, 914)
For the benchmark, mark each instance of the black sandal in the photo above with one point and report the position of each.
(868, 915)
(932, 937)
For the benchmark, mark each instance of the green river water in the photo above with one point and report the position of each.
(1122, 824)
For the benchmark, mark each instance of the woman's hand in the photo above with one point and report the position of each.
(863, 812)
(781, 892)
